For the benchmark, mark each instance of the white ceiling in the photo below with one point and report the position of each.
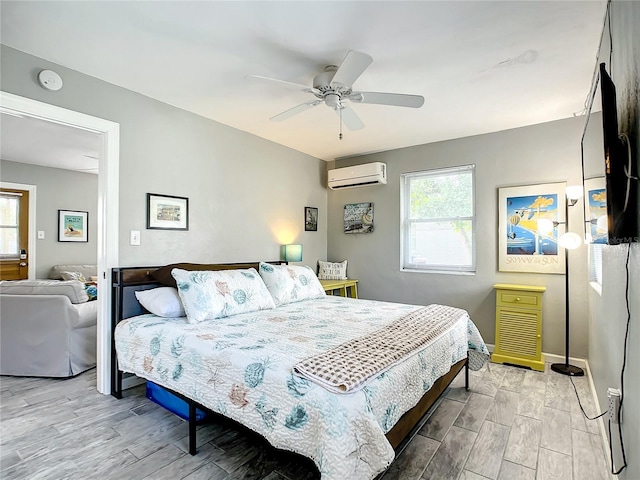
(481, 66)
(48, 144)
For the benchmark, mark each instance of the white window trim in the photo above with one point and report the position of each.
(404, 192)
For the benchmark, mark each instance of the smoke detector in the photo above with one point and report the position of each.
(50, 80)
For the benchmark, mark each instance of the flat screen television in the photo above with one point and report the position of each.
(621, 170)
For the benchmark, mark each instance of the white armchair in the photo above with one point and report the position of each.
(47, 328)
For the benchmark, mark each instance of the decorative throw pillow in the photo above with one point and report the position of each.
(332, 270)
(92, 291)
(291, 283)
(161, 301)
(208, 295)
(73, 276)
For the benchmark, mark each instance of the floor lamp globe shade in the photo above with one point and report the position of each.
(570, 240)
(545, 226)
(574, 192)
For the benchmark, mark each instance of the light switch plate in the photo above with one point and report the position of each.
(135, 237)
(40, 234)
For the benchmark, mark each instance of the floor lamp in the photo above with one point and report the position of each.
(569, 241)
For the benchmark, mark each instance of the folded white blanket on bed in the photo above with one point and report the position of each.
(348, 367)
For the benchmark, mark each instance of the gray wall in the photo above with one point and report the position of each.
(537, 154)
(608, 312)
(246, 195)
(58, 189)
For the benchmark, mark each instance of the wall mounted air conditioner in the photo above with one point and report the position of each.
(358, 176)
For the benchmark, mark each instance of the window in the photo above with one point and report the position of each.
(595, 266)
(438, 220)
(9, 227)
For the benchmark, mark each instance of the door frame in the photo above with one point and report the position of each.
(31, 241)
(108, 206)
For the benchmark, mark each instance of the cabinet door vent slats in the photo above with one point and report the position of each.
(519, 326)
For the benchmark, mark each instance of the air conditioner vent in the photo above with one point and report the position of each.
(358, 176)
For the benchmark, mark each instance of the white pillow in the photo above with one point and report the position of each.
(161, 301)
(291, 283)
(207, 295)
(332, 270)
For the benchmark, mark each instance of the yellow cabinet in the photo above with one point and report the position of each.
(519, 325)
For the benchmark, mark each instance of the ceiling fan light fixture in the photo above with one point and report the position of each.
(332, 100)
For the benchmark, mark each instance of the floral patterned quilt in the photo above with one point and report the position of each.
(241, 367)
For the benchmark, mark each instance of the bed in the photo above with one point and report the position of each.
(241, 366)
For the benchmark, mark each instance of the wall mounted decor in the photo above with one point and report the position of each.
(73, 226)
(310, 219)
(595, 210)
(358, 218)
(166, 212)
(529, 217)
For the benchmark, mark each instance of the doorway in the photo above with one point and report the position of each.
(107, 213)
(14, 232)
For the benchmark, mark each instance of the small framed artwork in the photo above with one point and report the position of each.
(529, 217)
(73, 226)
(358, 218)
(166, 212)
(310, 219)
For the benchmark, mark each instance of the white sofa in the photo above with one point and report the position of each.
(47, 327)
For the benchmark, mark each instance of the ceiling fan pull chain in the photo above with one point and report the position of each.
(340, 136)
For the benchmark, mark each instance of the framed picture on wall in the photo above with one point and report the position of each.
(166, 212)
(529, 217)
(73, 226)
(310, 219)
(358, 218)
(595, 210)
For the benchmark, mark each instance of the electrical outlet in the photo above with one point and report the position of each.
(613, 395)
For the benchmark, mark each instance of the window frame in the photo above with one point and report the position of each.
(406, 222)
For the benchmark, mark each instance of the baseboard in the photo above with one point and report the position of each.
(553, 358)
(603, 430)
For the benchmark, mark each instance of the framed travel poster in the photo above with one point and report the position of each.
(529, 217)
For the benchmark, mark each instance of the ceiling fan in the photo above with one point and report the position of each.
(334, 87)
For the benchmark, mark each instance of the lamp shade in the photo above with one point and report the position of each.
(574, 192)
(570, 240)
(545, 226)
(293, 253)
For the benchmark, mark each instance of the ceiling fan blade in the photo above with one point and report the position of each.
(296, 86)
(350, 118)
(394, 99)
(295, 110)
(351, 68)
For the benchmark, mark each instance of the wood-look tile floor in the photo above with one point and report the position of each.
(513, 424)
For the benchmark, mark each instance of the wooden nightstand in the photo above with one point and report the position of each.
(519, 325)
(341, 285)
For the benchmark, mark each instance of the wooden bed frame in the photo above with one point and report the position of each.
(126, 281)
